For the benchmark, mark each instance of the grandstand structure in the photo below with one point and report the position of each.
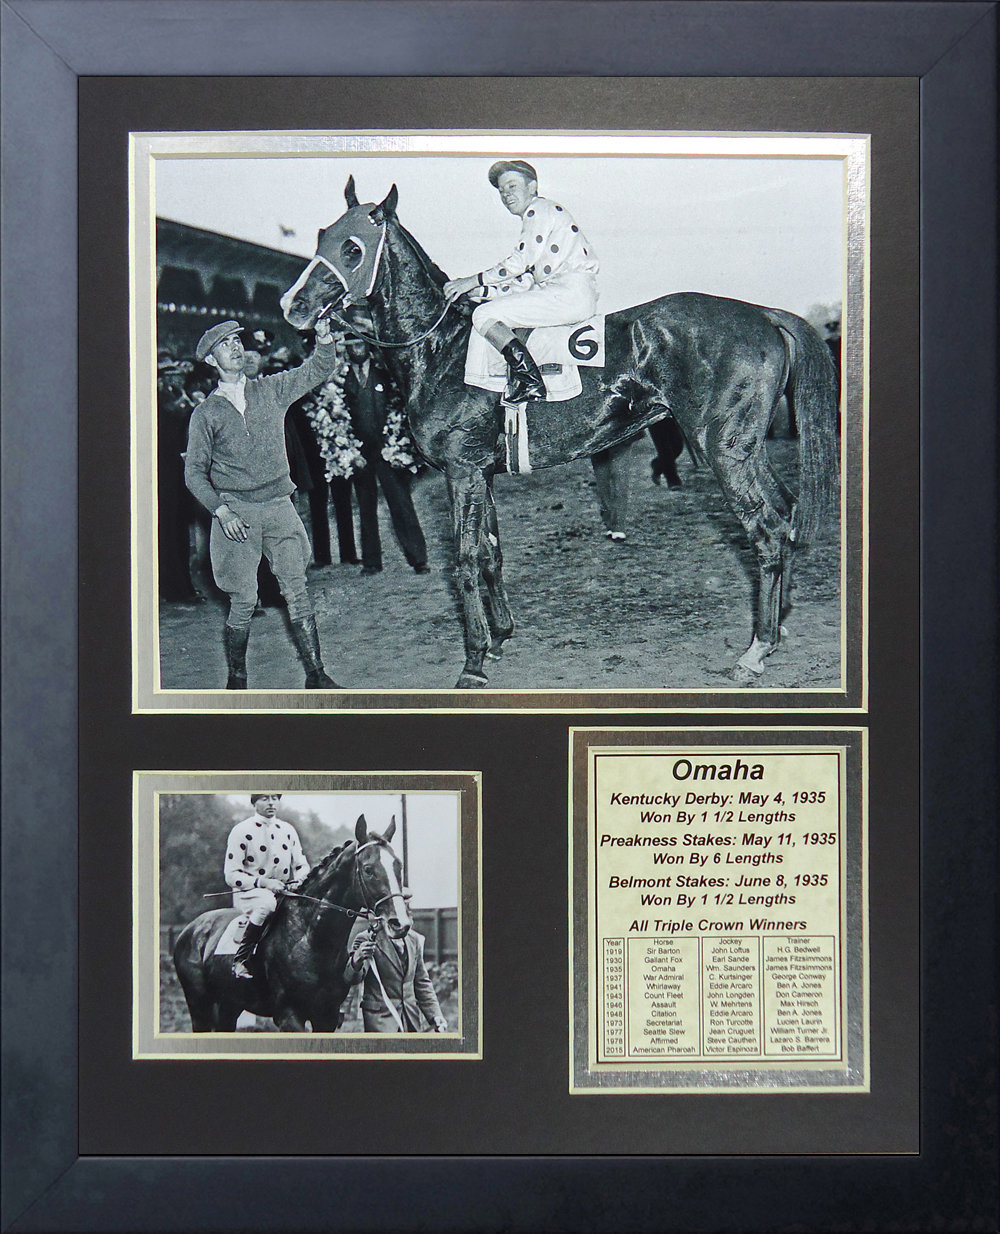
(203, 277)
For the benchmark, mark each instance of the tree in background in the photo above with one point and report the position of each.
(194, 828)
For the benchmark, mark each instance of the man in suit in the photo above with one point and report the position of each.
(366, 393)
(397, 987)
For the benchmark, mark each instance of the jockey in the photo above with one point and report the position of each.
(263, 856)
(554, 259)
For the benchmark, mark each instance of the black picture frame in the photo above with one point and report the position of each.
(48, 46)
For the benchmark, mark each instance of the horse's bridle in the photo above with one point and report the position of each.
(368, 910)
(328, 309)
(372, 908)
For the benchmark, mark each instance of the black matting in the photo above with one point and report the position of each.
(54, 1179)
(517, 1099)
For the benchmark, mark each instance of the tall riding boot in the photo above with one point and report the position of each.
(307, 641)
(235, 639)
(245, 949)
(524, 381)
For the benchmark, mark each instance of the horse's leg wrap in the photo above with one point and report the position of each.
(235, 639)
(467, 489)
(307, 641)
(245, 949)
(501, 619)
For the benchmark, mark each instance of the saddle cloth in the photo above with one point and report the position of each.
(557, 350)
(227, 944)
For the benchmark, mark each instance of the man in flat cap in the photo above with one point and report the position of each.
(237, 467)
(554, 264)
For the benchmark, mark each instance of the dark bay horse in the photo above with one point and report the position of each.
(299, 963)
(717, 366)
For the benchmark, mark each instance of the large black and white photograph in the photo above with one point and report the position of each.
(498, 421)
(306, 915)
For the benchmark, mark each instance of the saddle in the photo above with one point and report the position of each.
(227, 944)
(559, 352)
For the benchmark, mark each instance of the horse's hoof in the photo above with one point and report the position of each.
(744, 676)
(471, 681)
(495, 651)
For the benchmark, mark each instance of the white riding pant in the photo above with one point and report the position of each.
(564, 299)
(256, 904)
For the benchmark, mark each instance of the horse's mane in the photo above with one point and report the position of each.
(430, 267)
(317, 876)
(315, 882)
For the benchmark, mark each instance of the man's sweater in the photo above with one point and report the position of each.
(243, 454)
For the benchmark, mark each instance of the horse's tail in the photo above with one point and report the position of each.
(812, 396)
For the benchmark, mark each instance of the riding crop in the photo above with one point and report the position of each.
(297, 895)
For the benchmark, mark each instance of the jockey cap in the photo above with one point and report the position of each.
(519, 165)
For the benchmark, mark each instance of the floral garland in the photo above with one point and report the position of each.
(398, 449)
(340, 448)
(331, 421)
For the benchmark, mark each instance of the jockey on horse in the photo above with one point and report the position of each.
(263, 856)
(549, 280)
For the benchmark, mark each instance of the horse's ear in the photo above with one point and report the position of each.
(361, 830)
(390, 831)
(350, 195)
(386, 209)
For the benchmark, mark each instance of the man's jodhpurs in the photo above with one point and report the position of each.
(276, 532)
(256, 904)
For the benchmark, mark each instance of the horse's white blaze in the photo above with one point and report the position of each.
(398, 906)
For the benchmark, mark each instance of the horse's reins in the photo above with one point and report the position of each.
(349, 326)
(367, 912)
(378, 342)
(297, 895)
(374, 967)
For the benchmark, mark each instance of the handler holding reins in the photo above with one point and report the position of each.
(236, 466)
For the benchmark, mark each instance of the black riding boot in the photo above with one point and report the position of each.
(524, 381)
(307, 641)
(244, 950)
(235, 639)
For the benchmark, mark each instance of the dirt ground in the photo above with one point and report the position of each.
(668, 608)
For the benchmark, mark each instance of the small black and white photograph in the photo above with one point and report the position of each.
(296, 916)
(498, 420)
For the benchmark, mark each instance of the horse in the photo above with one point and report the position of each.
(717, 366)
(299, 963)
